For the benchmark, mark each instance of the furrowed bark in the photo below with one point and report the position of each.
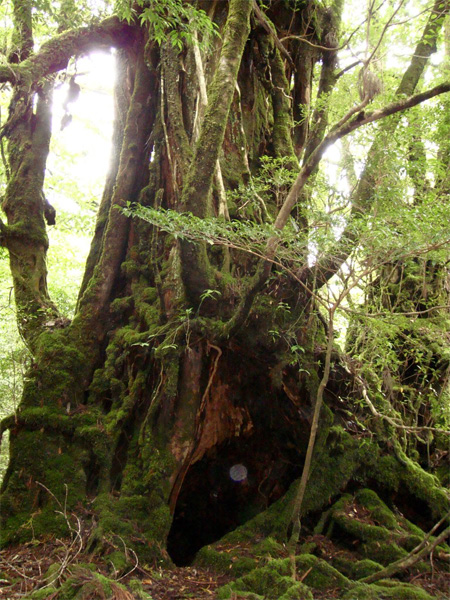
(177, 142)
(202, 103)
(282, 113)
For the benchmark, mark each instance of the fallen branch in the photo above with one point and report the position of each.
(423, 549)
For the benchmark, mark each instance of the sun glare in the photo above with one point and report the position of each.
(76, 169)
(80, 151)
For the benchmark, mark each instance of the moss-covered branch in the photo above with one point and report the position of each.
(282, 113)
(25, 208)
(180, 151)
(328, 78)
(22, 38)
(356, 122)
(418, 553)
(272, 32)
(263, 271)
(55, 54)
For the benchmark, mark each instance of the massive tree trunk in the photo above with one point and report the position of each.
(178, 401)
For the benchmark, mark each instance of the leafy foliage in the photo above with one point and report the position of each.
(173, 20)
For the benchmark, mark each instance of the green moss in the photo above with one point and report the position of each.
(409, 592)
(268, 547)
(56, 381)
(58, 466)
(384, 552)
(137, 590)
(265, 581)
(209, 557)
(334, 465)
(363, 591)
(119, 561)
(364, 568)
(356, 569)
(379, 511)
(86, 583)
(322, 575)
(227, 592)
(139, 517)
(243, 565)
(297, 591)
(381, 591)
(386, 537)
(50, 417)
(360, 529)
(282, 112)
(392, 473)
(224, 562)
(426, 487)
(274, 581)
(42, 594)
(121, 305)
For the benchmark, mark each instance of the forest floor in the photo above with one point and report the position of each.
(29, 567)
(25, 568)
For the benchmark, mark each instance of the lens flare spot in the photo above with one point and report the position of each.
(238, 472)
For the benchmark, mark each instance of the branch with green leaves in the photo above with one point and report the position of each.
(343, 128)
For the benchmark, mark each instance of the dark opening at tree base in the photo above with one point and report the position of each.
(231, 484)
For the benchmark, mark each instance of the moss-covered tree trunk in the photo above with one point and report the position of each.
(182, 391)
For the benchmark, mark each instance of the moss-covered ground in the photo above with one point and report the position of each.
(353, 539)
